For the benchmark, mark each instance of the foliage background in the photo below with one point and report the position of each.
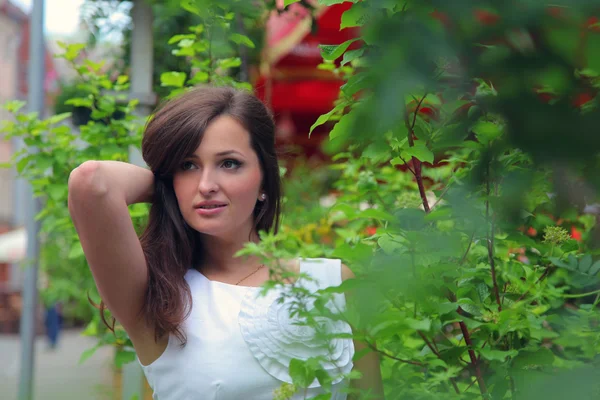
(464, 191)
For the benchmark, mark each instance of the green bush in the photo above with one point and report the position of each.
(464, 165)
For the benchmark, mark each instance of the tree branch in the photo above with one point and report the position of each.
(474, 363)
(464, 257)
(544, 274)
(408, 166)
(386, 354)
(432, 347)
(441, 196)
(416, 162)
(490, 239)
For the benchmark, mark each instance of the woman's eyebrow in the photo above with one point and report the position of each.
(219, 154)
(228, 152)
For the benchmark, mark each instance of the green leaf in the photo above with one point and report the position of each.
(483, 291)
(539, 357)
(73, 50)
(174, 79)
(91, 329)
(178, 38)
(232, 62)
(192, 6)
(241, 39)
(333, 2)
(446, 307)
(386, 329)
(57, 192)
(352, 55)
(390, 245)
(396, 161)
(418, 325)
(334, 51)
(496, 355)
(186, 43)
(76, 251)
(321, 120)
(419, 151)
(355, 83)
(59, 117)
(13, 106)
(487, 131)
(585, 263)
(355, 16)
(343, 127)
(322, 396)
(123, 357)
(594, 268)
(559, 263)
(88, 353)
(302, 374)
(288, 2)
(452, 355)
(348, 284)
(324, 379)
(570, 245)
(22, 164)
(87, 102)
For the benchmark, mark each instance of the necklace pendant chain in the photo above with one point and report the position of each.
(249, 275)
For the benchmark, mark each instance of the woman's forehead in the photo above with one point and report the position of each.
(224, 135)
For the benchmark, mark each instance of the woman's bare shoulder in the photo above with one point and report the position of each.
(291, 266)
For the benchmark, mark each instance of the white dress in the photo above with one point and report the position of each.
(239, 344)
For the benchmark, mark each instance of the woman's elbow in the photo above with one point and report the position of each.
(85, 182)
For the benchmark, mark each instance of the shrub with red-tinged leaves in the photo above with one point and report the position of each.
(582, 98)
(575, 234)
(592, 24)
(442, 17)
(486, 17)
(555, 11)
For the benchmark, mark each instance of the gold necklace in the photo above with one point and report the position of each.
(248, 276)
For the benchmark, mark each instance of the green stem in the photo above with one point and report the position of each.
(575, 296)
(596, 301)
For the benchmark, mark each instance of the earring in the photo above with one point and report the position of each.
(263, 197)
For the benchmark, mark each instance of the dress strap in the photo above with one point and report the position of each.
(326, 271)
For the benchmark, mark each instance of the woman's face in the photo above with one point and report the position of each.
(218, 186)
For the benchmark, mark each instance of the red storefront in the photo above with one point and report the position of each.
(289, 80)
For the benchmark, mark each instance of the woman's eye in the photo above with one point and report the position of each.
(231, 164)
(186, 165)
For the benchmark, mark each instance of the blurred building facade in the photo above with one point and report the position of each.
(12, 22)
(14, 63)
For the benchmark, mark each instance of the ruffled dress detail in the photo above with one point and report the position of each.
(274, 338)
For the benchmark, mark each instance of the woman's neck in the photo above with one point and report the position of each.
(219, 255)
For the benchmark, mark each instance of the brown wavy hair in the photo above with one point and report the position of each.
(170, 246)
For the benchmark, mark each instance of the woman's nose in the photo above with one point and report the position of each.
(207, 183)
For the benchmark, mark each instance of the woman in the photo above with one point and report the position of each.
(190, 307)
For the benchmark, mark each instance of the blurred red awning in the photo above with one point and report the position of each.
(289, 79)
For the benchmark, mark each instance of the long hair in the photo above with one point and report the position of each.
(170, 246)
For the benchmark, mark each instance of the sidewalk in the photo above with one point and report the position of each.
(57, 372)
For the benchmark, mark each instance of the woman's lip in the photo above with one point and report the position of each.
(210, 211)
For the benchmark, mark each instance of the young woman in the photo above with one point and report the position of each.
(190, 307)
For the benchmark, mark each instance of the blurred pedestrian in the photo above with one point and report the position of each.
(53, 322)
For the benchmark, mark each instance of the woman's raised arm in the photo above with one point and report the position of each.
(99, 193)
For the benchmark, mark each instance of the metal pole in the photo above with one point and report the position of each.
(142, 64)
(35, 94)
